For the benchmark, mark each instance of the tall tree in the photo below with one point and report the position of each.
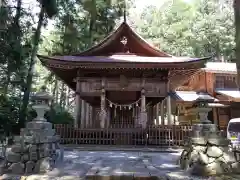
(194, 28)
(14, 23)
(236, 6)
(48, 7)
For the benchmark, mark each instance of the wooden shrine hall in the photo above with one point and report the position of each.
(122, 79)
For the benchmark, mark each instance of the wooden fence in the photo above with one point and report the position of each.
(164, 135)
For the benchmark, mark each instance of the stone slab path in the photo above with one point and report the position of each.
(106, 165)
(93, 164)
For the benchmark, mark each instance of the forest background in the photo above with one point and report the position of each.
(195, 28)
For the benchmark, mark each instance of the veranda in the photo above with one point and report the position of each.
(121, 84)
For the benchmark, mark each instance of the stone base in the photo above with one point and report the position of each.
(36, 151)
(208, 155)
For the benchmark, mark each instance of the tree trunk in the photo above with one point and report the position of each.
(236, 7)
(27, 90)
(67, 99)
(62, 96)
(57, 92)
(93, 14)
(54, 91)
(53, 101)
(16, 41)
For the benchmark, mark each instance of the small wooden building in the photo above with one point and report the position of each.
(122, 78)
(217, 79)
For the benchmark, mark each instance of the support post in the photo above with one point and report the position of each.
(169, 107)
(78, 103)
(87, 115)
(215, 116)
(143, 109)
(103, 113)
(157, 114)
(90, 116)
(97, 118)
(82, 113)
(162, 112)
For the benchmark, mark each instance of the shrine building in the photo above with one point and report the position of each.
(123, 79)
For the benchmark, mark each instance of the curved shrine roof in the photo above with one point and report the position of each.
(124, 38)
(123, 61)
(123, 45)
(123, 58)
(122, 49)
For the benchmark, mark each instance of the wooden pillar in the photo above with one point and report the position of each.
(108, 117)
(176, 121)
(148, 111)
(87, 115)
(90, 116)
(95, 121)
(82, 114)
(103, 109)
(218, 122)
(151, 116)
(143, 117)
(77, 104)
(169, 107)
(157, 114)
(162, 112)
(103, 113)
(215, 118)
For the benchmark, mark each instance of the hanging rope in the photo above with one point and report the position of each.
(129, 106)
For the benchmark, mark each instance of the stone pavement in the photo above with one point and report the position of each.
(106, 165)
(122, 148)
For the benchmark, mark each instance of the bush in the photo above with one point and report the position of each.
(9, 114)
(59, 116)
(56, 115)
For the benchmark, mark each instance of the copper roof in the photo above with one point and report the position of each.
(124, 30)
(123, 45)
(189, 96)
(233, 94)
(221, 67)
(122, 49)
(123, 58)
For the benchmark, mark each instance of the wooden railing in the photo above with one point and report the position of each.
(164, 135)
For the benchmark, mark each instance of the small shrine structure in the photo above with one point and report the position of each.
(122, 78)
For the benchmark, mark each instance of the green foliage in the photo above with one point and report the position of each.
(236, 7)
(9, 113)
(50, 7)
(78, 25)
(59, 116)
(196, 28)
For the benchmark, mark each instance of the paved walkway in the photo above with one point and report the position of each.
(122, 148)
(106, 165)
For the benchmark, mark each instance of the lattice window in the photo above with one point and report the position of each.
(220, 81)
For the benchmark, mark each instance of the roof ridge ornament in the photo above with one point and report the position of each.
(124, 41)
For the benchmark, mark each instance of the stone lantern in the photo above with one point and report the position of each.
(206, 150)
(41, 101)
(202, 107)
(205, 127)
(37, 149)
